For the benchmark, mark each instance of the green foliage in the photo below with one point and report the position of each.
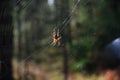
(107, 22)
(85, 66)
(79, 66)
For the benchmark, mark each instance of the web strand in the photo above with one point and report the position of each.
(71, 14)
(34, 54)
(66, 24)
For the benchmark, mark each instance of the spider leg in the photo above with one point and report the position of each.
(54, 32)
(53, 44)
(59, 43)
(59, 38)
(58, 32)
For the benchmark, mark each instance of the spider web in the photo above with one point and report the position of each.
(64, 24)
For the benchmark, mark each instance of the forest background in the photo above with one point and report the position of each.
(86, 27)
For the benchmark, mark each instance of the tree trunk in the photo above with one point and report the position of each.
(6, 40)
(62, 13)
(20, 54)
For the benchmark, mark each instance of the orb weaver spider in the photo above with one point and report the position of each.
(56, 37)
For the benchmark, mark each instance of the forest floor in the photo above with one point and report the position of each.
(46, 71)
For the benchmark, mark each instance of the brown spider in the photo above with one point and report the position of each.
(56, 37)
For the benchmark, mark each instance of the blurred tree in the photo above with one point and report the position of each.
(19, 8)
(62, 13)
(6, 39)
(83, 31)
(35, 16)
(107, 27)
(108, 23)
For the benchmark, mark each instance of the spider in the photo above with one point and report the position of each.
(56, 37)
